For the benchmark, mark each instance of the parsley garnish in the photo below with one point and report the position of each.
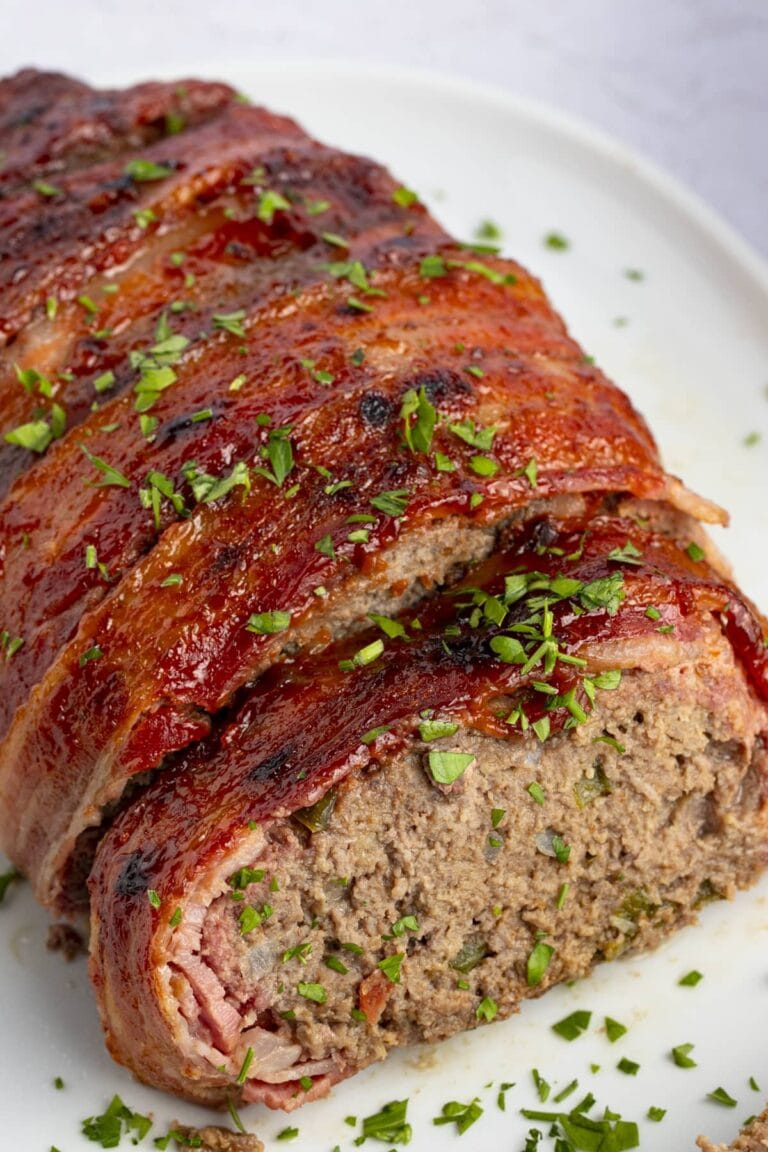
(487, 1009)
(691, 979)
(462, 1115)
(445, 767)
(112, 478)
(107, 1129)
(538, 962)
(314, 992)
(572, 1026)
(614, 1030)
(269, 203)
(279, 453)
(231, 322)
(720, 1096)
(268, 623)
(418, 432)
(389, 1125)
(681, 1056)
(391, 503)
(391, 966)
(145, 171)
(557, 241)
(436, 729)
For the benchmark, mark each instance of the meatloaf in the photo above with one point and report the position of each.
(753, 1138)
(558, 760)
(364, 669)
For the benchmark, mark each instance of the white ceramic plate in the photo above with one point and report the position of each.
(689, 342)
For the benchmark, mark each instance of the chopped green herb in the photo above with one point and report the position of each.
(391, 503)
(656, 1114)
(572, 1026)
(314, 992)
(694, 552)
(107, 1129)
(628, 1067)
(431, 267)
(401, 926)
(325, 547)
(487, 1009)
(112, 478)
(557, 241)
(445, 767)
(231, 322)
(538, 962)
(419, 417)
(404, 197)
(691, 979)
(94, 653)
(287, 1134)
(363, 656)
(390, 1125)
(44, 189)
(562, 896)
(298, 952)
(484, 465)
(536, 792)
(374, 733)
(629, 554)
(681, 1056)
(247, 1061)
(474, 435)
(268, 623)
(358, 305)
(614, 1030)
(391, 966)
(720, 1096)
(336, 965)
(153, 898)
(144, 171)
(607, 592)
(34, 436)
(334, 240)
(542, 1087)
(317, 207)
(462, 1115)
(269, 203)
(104, 382)
(176, 918)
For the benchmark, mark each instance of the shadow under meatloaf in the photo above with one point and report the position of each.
(357, 503)
(559, 760)
(752, 1138)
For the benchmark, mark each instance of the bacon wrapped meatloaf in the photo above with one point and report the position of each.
(365, 672)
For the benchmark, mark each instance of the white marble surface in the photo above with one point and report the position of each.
(684, 81)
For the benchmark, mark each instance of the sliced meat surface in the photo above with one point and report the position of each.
(559, 760)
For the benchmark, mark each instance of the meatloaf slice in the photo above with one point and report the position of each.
(560, 760)
(752, 1138)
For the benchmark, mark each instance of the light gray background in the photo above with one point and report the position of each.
(684, 81)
